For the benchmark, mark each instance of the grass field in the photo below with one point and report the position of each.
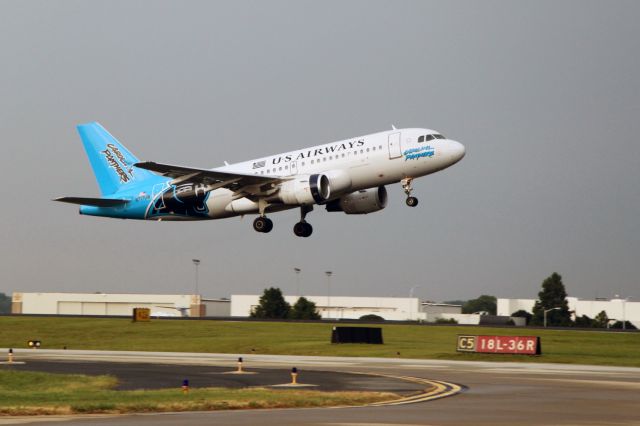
(31, 393)
(411, 341)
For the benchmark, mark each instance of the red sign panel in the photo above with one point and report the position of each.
(529, 345)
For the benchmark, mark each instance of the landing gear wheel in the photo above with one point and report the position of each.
(412, 201)
(302, 229)
(263, 224)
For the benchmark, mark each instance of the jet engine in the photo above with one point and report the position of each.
(360, 202)
(305, 189)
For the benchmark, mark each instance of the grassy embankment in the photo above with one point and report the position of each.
(412, 341)
(31, 393)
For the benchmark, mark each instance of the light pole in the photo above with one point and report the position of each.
(328, 274)
(297, 271)
(196, 262)
(545, 314)
(410, 302)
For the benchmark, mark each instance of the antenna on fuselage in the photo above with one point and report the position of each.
(393, 127)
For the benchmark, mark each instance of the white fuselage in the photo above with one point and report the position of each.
(362, 162)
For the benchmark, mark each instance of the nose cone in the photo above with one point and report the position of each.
(456, 150)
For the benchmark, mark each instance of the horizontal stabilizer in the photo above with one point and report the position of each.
(96, 202)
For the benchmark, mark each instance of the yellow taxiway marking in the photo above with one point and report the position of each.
(435, 389)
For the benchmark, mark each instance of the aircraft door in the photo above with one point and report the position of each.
(293, 168)
(395, 150)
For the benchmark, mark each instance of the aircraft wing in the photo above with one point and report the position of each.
(215, 179)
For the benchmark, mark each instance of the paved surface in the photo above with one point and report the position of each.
(497, 394)
(156, 376)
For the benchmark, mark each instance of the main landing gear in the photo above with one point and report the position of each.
(302, 228)
(406, 185)
(263, 224)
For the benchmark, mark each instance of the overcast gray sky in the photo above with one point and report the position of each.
(544, 95)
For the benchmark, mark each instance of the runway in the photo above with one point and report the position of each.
(502, 393)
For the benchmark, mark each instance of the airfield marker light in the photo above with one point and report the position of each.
(185, 386)
(240, 365)
(294, 376)
(10, 356)
(33, 344)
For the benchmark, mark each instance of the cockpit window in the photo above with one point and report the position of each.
(429, 138)
(421, 139)
(439, 137)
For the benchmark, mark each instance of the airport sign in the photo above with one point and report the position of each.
(524, 345)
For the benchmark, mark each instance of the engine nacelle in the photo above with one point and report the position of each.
(339, 182)
(360, 202)
(305, 189)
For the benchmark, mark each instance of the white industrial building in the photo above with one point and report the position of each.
(165, 305)
(346, 307)
(616, 309)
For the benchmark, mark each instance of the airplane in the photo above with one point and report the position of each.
(347, 176)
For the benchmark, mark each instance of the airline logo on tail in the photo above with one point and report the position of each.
(117, 162)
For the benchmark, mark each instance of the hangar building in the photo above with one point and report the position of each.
(167, 305)
(347, 307)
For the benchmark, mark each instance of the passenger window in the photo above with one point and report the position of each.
(421, 139)
(303, 163)
(343, 155)
(331, 157)
(312, 161)
(362, 151)
(380, 147)
(367, 149)
(280, 168)
(286, 167)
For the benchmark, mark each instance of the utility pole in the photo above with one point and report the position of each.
(410, 302)
(196, 263)
(297, 271)
(328, 274)
(545, 315)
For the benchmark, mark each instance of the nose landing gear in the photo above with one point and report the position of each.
(302, 228)
(406, 185)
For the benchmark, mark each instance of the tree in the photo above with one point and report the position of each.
(627, 325)
(523, 314)
(272, 305)
(585, 322)
(5, 304)
(304, 309)
(371, 317)
(552, 295)
(601, 320)
(483, 303)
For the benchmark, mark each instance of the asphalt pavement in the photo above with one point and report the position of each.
(496, 393)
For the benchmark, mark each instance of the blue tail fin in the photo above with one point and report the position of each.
(111, 162)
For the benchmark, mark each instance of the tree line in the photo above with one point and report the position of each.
(273, 305)
(552, 298)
